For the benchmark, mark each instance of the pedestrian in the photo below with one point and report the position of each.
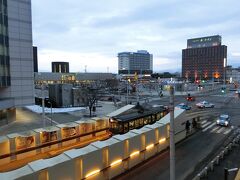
(194, 123)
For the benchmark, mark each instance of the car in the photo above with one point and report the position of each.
(205, 104)
(223, 120)
(190, 98)
(183, 106)
(237, 91)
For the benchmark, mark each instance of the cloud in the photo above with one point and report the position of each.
(236, 54)
(77, 30)
(78, 61)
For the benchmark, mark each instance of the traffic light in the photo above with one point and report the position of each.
(197, 81)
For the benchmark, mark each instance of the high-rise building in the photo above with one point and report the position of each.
(35, 59)
(140, 62)
(16, 57)
(60, 67)
(205, 58)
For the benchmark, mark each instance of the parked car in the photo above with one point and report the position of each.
(184, 106)
(205, 104)
(223, 120)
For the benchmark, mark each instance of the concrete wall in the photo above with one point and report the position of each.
(101, 160)
(8, 143)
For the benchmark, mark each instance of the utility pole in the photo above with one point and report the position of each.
(137, 89)
(212, 80)
(172, 134)
(224, 71)
(43, 107)
(127, 91)
(51, 114)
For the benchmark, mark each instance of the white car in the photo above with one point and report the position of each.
(223, 120)
(205, 104)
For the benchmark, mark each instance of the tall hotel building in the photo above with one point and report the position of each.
(205, 58)
(16, 57)
(140, 62)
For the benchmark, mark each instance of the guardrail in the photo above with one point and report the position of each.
(210, 166)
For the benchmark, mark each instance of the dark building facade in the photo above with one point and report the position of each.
(35, 59)
(60, 67)
(60, 95)
(204, 59)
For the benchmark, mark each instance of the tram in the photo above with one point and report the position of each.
(136, 118)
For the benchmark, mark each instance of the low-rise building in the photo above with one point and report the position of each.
(60, 95)
(233, 74)
(72, 78)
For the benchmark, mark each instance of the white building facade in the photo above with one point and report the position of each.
(140, 62)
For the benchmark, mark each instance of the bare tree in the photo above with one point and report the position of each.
(91, 97)
(112, 83)
(158, 88)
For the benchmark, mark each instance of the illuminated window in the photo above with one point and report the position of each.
(137, 123)
(131, 125)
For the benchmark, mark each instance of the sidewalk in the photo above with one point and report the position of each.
(28, 120)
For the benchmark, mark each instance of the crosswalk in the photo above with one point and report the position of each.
(212, 127)
(203, 112)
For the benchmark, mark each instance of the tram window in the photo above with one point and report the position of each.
(165, 112)
(162, 114)
(145, 121)
(149, 119)
(158, 116)
(126, 127)
(113, 125)
(153, 118)
(137, 123)
(120, 127)
(141, 122)
(131, 125)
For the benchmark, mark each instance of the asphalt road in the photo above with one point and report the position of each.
(195, 149)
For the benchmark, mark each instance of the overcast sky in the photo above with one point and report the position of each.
(92, 32)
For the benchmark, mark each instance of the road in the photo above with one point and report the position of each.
(196, 149)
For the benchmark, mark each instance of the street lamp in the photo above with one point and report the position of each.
(224, 72)
(51, 111)
(128, 81)
(172, 134)
(43, 106)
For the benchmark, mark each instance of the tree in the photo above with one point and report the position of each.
(112, 83)
(91, 97)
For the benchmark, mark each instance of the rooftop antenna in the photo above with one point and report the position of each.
(85, 70)
(107, 69)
